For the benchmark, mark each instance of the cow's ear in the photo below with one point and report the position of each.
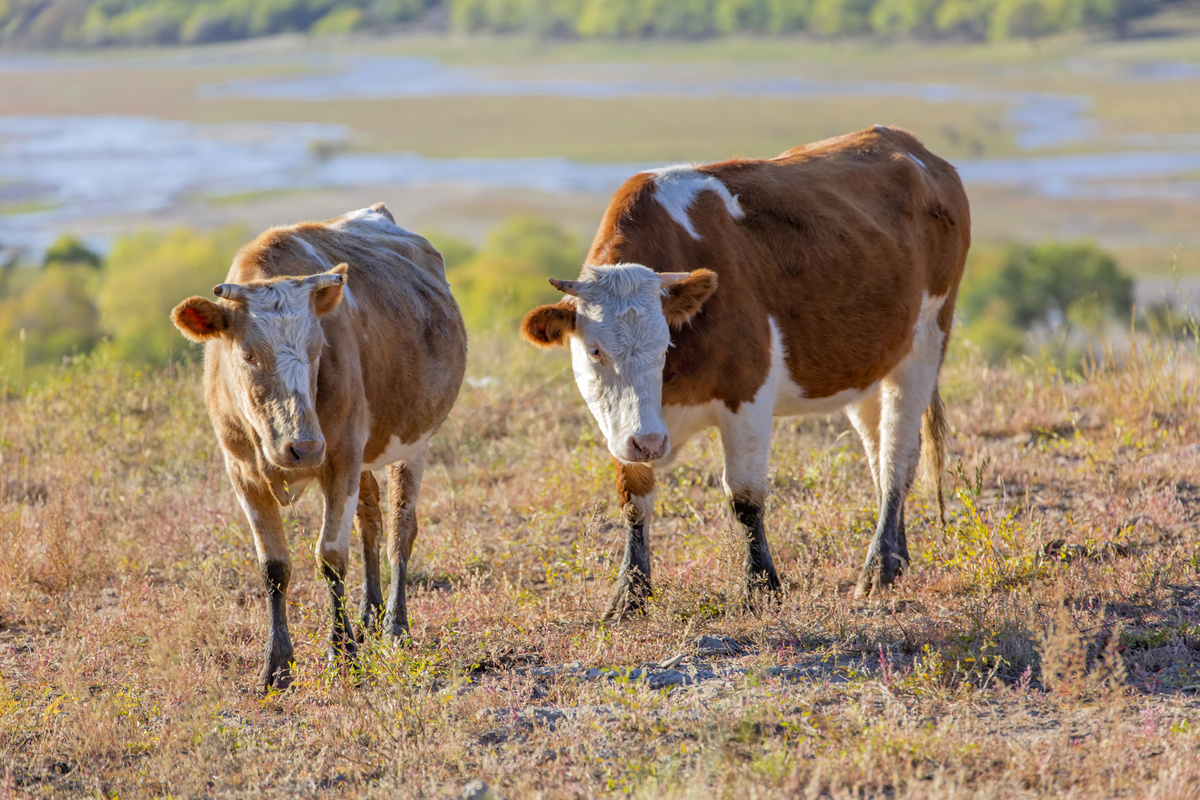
(547, 326)
(328, 293)
(683, 298)
(200, 319)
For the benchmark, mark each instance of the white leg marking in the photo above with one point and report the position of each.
(747, 434)
(251, 517)
(643, 505)
(904, 395)
(864, 416)
(335, 533)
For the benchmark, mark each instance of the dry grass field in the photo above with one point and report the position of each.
(1045, 643)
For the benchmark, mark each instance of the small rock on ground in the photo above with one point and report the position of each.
(478, 790)
(717, 646)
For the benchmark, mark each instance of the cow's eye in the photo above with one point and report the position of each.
(248, 357)
(596, 354)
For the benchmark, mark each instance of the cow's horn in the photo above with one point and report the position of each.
(669, 278)
(566, 287)
(324, 280)
(229, 291)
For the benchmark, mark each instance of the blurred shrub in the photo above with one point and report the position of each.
(146, 275)
(1047, 286)
(497, 285)
(905, 17)
(967, 19)
(58, 317)
(341, 20)
(840, 17)
(66, 249)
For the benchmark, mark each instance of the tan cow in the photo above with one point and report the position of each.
(729, 293)
(334, 349)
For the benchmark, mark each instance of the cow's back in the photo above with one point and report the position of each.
(397, 332)
(838, 242)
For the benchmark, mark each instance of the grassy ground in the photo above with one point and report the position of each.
(132, 619)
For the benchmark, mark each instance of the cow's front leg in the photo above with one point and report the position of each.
(759, 575)
(635, 489)
(404, 487)
(275, 565)
(333, 552)
(370, 523)
(746, 437)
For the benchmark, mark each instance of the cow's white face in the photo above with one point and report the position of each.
(270, 340)
(619, 329)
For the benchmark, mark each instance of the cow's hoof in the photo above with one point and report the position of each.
(370, 616)
(342, 650)
(629, 598)
(276, 673)
(396, 629)
(875, 581)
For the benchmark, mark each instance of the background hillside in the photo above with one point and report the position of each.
(68, 23)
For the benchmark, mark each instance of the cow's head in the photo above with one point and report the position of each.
(617, 323)
(269, 340)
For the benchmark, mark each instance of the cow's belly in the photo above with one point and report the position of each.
(790, 400)
(396, 450)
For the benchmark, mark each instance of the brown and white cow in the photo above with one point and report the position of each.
(334, 349)
(729, 293)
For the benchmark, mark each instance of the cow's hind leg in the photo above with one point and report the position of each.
(404, 485)
(369, 521)
(635, 488)
(746, 436)
(864, 415)
(903, 397)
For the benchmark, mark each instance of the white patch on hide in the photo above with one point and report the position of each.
(397, 450)
(676, 188)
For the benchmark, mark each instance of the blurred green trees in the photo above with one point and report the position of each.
(496, 285)
(74, 299)
(1056, 295)
(101, 22)
(1048, 287)
(146, 274)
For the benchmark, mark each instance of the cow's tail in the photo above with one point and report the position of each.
(934, 433)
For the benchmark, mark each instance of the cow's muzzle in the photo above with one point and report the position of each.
(302, 453)
(648, 447)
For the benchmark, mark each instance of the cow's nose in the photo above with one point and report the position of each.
(306, 453)
(649, 447)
